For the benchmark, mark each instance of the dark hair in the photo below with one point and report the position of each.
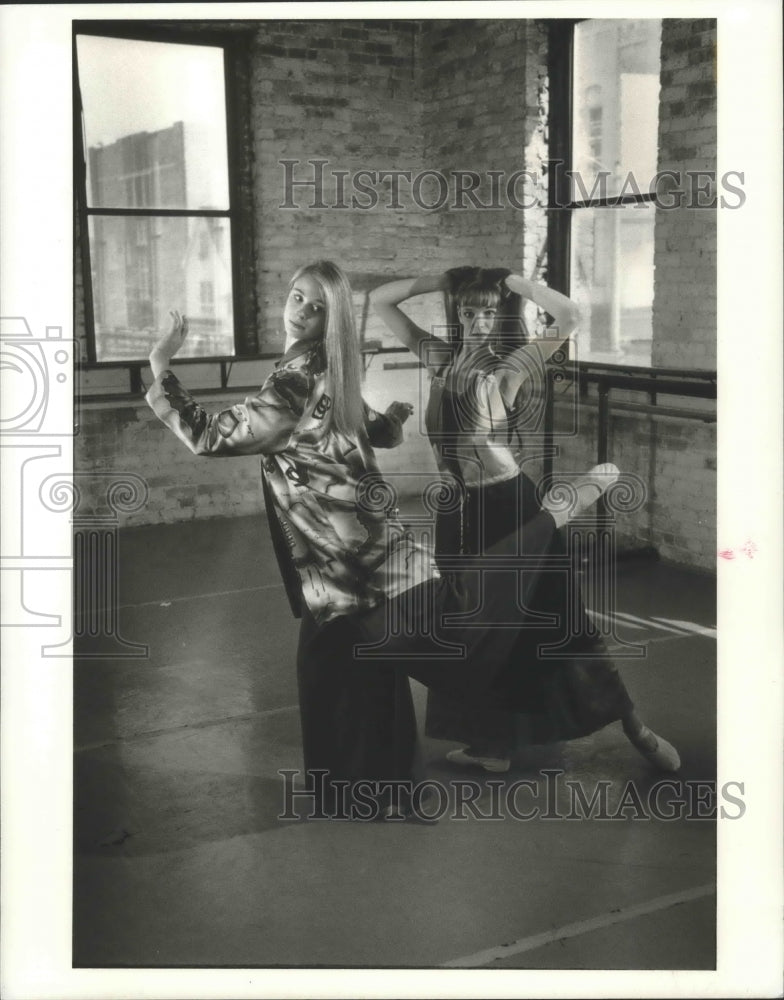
(476, 292)
(485, 287)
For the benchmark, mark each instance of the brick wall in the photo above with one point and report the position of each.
(342, 92)
(448, 96)
(482, 114)
(129, 438)
(683, 465)
(684, 306)
(393, 96)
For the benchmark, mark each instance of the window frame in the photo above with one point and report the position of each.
(561, 206)
(233, 39)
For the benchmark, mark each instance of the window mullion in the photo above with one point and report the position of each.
(607, 147)
(560, 158)
(134, 252)
(619, 202)
(80, 212)
(165, 213)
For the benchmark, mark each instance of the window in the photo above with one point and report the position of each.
(605, 78)
(158, 192)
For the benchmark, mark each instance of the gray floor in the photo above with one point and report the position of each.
(181, 859)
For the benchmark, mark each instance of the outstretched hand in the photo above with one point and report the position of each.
(167, 346)
(172, 341)
(400, 411)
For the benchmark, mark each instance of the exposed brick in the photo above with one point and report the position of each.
(270, 50)
(395, 95)
(701, 88)
(358, 33)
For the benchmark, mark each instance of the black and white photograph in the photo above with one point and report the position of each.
(308, 299)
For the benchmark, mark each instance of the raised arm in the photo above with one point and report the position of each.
(519, 365)
(166, 346)
(386, 300)
(565, 312)
(261, 424)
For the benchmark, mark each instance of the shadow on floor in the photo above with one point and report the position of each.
(181, 858)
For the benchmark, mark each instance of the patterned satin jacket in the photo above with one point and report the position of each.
(339, 547)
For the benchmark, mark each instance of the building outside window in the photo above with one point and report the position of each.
(608, 146)
(156, 194)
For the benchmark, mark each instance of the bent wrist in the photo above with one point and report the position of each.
(159, 361)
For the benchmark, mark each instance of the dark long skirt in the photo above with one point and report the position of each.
(534, 699)
(452, 633)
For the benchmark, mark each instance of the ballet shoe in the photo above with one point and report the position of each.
(658, 751)
(567, 501)
(497, 765)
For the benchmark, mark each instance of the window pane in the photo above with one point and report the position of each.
(616, 107)
(143, 267)
(612, 280)
(155, 124)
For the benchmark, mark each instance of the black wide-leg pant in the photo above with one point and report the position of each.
(357, 720)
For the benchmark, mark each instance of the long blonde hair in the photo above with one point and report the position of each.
(341, 346)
